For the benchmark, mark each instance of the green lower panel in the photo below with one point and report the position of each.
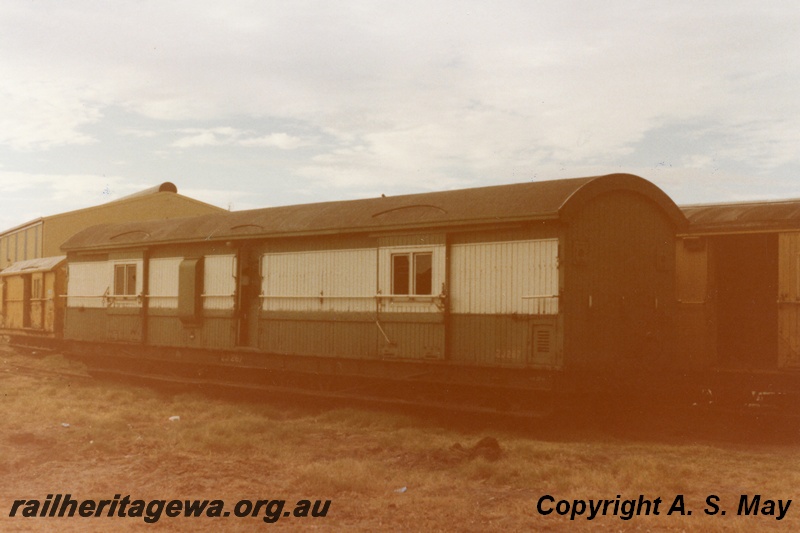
(86, 324)
(412, 340)
(325, 338)
(529, 340)
(210, 332)
(124, 327)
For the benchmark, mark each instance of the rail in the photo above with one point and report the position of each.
(29, 299)
(311, 297)
(343, 297)
(175, 296)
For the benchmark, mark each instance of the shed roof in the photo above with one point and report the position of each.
(166, 187)
(761, 216)
(545, 200)
(42, 264)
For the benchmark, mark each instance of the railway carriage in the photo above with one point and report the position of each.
(503, 291)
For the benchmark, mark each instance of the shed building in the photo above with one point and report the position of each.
(31, 260)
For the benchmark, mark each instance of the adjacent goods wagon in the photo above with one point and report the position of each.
(739, 295)
(30, 301)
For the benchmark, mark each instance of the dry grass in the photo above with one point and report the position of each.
(120, 441)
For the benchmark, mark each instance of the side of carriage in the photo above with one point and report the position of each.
(498, 293)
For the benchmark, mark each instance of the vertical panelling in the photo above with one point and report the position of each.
(620, 282)
(789, 300)
(414, 340)
(89, 283)
(505, 340)
(37, 301)
(219, 282)
(333, 281)
(49, 301)
(691, 270)
(123, 326)
(789, 266)
(695, 330)
(85, 323)
(517, 277)
(320, 338)
(15, 297)
(163, 283)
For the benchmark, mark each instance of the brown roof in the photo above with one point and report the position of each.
(743, 216)
(29, 266)
(545, 200)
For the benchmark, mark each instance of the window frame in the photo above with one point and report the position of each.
(127, 290)
(36, 288)
(412, 274)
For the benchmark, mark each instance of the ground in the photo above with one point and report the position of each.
(63, 433)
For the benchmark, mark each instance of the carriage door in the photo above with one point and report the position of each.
(747, 292)
(36, 301)
(248, 304)
(789, 300)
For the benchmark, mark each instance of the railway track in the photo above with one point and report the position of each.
(748, 424)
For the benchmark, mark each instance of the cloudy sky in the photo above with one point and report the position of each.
(252, 104)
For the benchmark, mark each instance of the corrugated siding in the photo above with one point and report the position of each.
(336, 280)
(416, 303)
(88, 283)
(219, 282)
(519, 277)
(163, 283)
(789, 300)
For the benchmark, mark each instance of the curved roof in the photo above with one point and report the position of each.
(743, 216)
(167, 186)
(545, 200)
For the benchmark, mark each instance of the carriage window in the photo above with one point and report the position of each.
(125, 280)
(412, 273)
(423, 270)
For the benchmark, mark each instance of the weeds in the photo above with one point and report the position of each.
(381, 470)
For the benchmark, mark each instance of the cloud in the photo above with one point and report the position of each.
(354, 97)
(201, 138)
(38, 115)
(227, 136)
(284, 141)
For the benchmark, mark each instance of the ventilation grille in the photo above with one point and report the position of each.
(542, 341)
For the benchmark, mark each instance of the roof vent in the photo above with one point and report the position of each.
(134, 235)
(413, 208)
(167, 186)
